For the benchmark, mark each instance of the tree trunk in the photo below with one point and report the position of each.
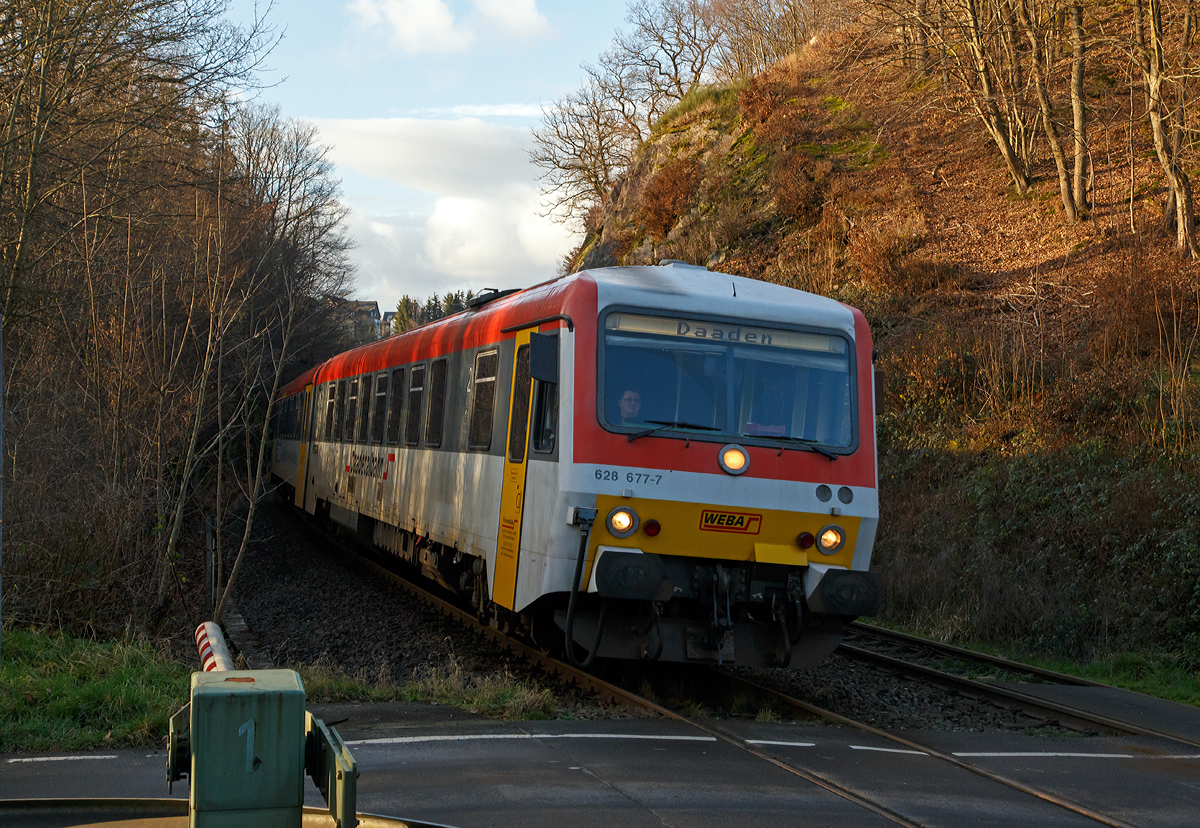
(1078, 111)
(922, 37)
(986, 105)
(1043, 95)
(1180, 201)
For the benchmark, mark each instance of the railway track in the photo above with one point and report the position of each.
(616, 693)
(915, 657)
(734, 682)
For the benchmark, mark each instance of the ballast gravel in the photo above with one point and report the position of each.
(308, 603)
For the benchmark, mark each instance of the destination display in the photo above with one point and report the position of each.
(721, 332)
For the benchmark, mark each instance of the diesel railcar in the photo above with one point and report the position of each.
(648, 463)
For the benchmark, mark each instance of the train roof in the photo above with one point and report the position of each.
(672, 286)
(684, 288)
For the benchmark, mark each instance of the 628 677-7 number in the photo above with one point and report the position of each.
(629, 477)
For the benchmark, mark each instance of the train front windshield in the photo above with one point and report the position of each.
(726, 380)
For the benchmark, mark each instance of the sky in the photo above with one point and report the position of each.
(427, 107)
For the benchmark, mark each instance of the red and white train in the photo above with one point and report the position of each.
(654, 462)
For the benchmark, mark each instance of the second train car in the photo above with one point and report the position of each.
(650, 463)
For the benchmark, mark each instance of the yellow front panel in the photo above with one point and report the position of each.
(512, 497)
(701, 530)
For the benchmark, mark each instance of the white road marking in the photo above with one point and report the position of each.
(1049, 753)
(405, 740)
(1081, 755)
(60, 758)
(889, 750)
(402, 740)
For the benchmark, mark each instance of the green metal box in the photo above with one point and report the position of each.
(247, 744)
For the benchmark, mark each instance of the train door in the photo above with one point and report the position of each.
(512, 496)
(320, 427)
(301, 465)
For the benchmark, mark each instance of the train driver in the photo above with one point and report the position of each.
(630, 406)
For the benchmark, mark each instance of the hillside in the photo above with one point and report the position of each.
(1038, 448)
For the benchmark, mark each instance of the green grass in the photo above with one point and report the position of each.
(59, 693)
(1164, 675)
(722, 97)
(1156, 674)
(497, 695)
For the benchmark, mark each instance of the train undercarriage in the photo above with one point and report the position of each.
(636, 607)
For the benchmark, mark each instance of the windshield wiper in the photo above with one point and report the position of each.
(663, 424)
(810, 445)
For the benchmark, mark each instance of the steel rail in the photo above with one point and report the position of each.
(952, 651)
(612, 692)
(837, 718)
(1075, 716)
(1034, 705)
(603, 689)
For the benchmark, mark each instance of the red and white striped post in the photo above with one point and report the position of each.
(214, 655)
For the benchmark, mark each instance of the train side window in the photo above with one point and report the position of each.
(393, 423)
(332, 395)
(416, 387)
(364, 406)
(380, 412)
(545, 416)
(339, 416)
(518, 427)
(483, 401)
(351, 410)
(437, 403)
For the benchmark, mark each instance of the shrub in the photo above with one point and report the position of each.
(668, 195)
(758, 99)
(797, 193)
(1076, 551)
(786, 127)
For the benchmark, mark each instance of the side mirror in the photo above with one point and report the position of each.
(543, 357)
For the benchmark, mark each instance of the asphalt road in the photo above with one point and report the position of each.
(438, 764)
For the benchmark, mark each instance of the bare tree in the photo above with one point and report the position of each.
(300, 261)
(82, 79)
(753, 34)
(670, 44)
(1078, 110)
(1036, 30)
(580, 147)
(1162, 44)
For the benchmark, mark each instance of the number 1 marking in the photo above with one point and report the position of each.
(247, 730)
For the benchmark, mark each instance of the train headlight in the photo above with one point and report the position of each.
(734, 459)
(831, 539)
(622, 522)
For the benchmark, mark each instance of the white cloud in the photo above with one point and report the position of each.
(487, 238)
(415, 26)
(463, 244)
(483, 111)
(516, 18)
(483, 228)
(459, 158)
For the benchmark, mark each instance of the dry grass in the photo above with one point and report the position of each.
(496, 694)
